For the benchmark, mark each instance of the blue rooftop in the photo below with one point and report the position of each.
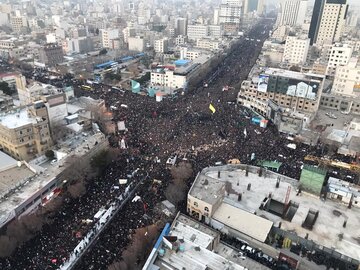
(181, 62)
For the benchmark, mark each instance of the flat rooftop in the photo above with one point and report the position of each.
(17, 119)
(195, 255)
(293, 74)
(11, 177)
(328, 226)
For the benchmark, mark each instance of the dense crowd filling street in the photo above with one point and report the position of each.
(182, 126)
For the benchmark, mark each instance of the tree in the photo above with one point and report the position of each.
(50, 154)
(103, 52)
(4, 86)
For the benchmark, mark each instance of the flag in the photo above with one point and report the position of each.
(212, 108)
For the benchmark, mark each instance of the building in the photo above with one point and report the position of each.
(327, 21)
(347, 79)
(136, 44)
(207, 44)
(107, 35)
(25, 134)
(56, 108)
(343, 191)
(195, 31)
(180, 40)
(167, 78)
(81, 45)
(295, 91)
(51, 54)
(189, 244)
(18, 23)
(181, 25)
(189, 54)
(343, 103)
(161, 45)
(296, 50)
(230, 12)
(339, 55)
(215, 31)
(292, 12)
(269, 204)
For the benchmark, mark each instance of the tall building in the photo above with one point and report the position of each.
(328, 20)
(296, 50)
(339, 55)
(261, 7)
(181, 26)
(107, 35)
(230, 11)
(292, 12)
(51, 54)
(161, 45)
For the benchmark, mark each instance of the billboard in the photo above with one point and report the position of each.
(263, 82)
(292, 87)
(302, 89)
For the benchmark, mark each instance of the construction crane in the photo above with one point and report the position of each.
(325, 162)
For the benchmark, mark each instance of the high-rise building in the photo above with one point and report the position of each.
(292, 12)
(51, 54)
(161, 45)
(230, 11)
(181, 26)
(328, 20)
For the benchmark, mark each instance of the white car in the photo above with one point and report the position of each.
(53, 161)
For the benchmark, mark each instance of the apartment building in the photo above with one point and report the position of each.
(328, 20)
(296, 50)
(292, 12)
(51, 54)
(230, 12)
(207, 44)
(26, 133)
(215, 31)
(339, 55)
(107, 35)
(161, 45)
(195, 31)
(17, 23)
(347, 79)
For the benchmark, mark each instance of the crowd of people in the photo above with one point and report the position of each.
(183, 126)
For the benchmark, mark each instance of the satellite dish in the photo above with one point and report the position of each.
(19, 163)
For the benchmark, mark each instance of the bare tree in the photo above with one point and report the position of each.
(77, 189)
(7, 245)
